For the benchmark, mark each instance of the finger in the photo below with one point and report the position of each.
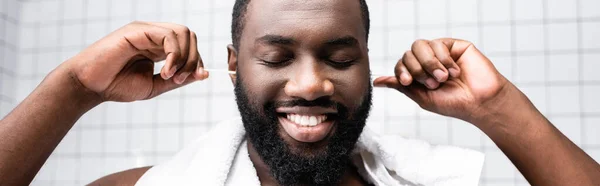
(402, 73)
(161, 85)
(191, 66)
(183, 36)
(442, 53)
(416, 70)
(424, 53)
(416, 92)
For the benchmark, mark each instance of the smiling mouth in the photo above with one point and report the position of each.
(307, 127)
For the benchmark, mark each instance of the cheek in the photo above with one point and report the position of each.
(262, 85)
(352, 86)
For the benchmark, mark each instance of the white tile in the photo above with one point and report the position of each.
(497, 165)
(562, 36)
(529, 37)
(431, 34)
(595, 153)
(11, 34)
(8, 84)
(143, 112)
(591, 66)
(400, 13)
(73, 9)
(376, 13)
(28, 38)
(168, 139)
(591, 102)
(118, 164)
(431, 12)
(466, 33)
(194, 110)
(118, 114)
(591, 126)
(121, 8)
(463, 11)
(530, 69)
(47, 170)
(563, 68)
(221, 82)
(401, 126)
(223, 4)
(196, 88)
(29, 11)
(48, 36)
(94, 31)
(377, 43)
(47, 62)
(399, 41)
(3, 31)
(94, 117)
(173, 18)
(115, 24)
(116, 140)
(538, 96)
(590, 37)
(191, 133)
(142, 140)
(97, 9)
(528, 10)
(195, 6)
(496, 38)
(503, 65)
(379, 104)
(13, 9)
(434, 131)
(398, 104)
(49, 10)
(557, 9)
(494, 10)
(569, 126)
(465, 134)
(144, 8)
(564, 99)
(91, 141)
(168, 111)
(589, 8)
(173, 6)
(69, 144)
(222, 108)
(92, 168)
(67, 169)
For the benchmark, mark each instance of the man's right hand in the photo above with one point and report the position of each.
(120, 66)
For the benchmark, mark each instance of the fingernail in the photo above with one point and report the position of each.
(182, 77)
(404, 79)
(439, 75)
(431, 83)
(172, 71)
(453, 72)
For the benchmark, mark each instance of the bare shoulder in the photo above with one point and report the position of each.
(127, 177)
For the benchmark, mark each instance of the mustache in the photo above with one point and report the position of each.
(325, 102)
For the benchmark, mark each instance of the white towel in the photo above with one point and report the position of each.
(220, 158)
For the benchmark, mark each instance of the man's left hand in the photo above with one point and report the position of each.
(453, 78)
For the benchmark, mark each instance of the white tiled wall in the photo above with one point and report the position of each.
(549, 48)
(9, 16)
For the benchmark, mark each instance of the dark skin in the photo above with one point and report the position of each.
(447, 76)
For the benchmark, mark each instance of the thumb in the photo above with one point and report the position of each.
(414, 91)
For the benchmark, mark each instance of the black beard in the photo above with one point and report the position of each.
(288, 168)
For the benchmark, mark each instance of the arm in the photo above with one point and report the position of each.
(35, 127)
(455, 79)
(118, 67)
(540, 151)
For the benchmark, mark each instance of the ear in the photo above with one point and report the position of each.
(232, 61)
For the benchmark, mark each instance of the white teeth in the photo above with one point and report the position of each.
(313, 121)
(305, 120)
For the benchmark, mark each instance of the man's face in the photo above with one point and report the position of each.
(303, 86)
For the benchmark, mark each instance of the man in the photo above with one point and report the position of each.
(303, 91)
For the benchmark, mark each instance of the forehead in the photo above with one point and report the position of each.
(306, 21)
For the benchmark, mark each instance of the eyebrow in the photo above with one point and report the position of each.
(343, 41)
(276, 40)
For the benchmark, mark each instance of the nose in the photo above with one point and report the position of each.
(309, 83)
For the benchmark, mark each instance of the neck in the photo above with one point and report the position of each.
(350, 177)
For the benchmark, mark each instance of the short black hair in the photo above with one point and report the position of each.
(239, 12)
